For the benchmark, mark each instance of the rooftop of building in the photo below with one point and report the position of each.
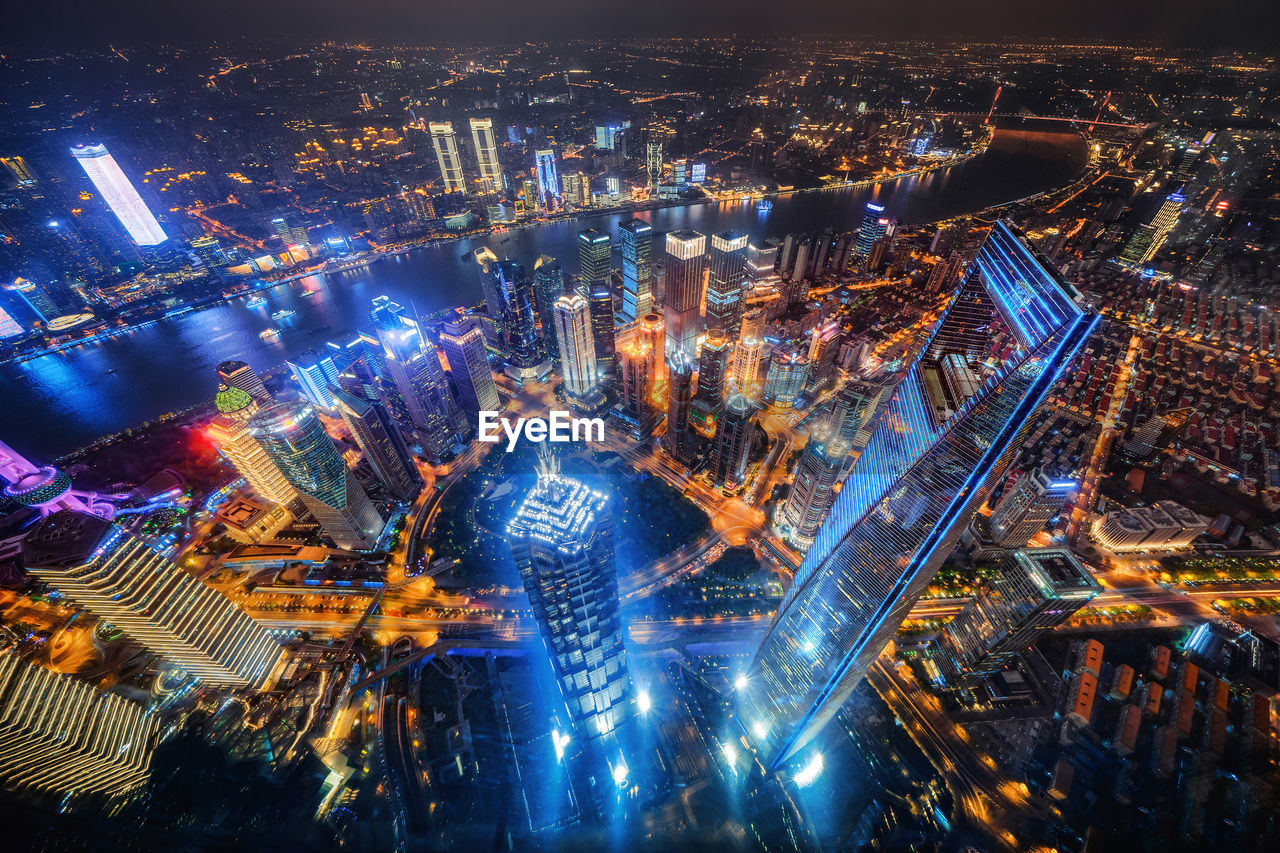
(64, 539)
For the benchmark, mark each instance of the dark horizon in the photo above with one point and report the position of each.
(1247, 24)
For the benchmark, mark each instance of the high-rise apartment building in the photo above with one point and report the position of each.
(61, 736)
(1034, 591)
(122, 579)
(445, 141)
(295, 439)
(636, 237)
(726, 283)
(686, 264)
(119, 194)
(908, 497)
(562, 541)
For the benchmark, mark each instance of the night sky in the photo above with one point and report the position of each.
(1245, 23)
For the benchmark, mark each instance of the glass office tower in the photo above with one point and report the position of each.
(925, 470)
(727, 281)
(562, 541)
(294, 438)
(636, 237)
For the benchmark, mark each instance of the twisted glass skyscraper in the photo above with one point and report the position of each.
(926, 469)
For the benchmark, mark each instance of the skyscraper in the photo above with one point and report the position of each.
(415, 371)
(445, 142)
(812, 492)
(727, 281)
(1035, 590)
(486, 155)
(636, 237)
(237, 374)
(734, 434)
(907, 498)
(519, 321)
(852, 407)
(744, 372)
(544, 166)
(635, 365)
(824, 343)
(713, 367)
(463, 345)
(229, 431)
(294, 438)
(119, 194)
(678, 439)
(577, 350)
(62, 736)
(548, 286)
(653, 161)
(1149, 237)
(315, 375)
(562, 541)
(686, 264)
(1028, 506)
(594, 259)
(121, 579)
(380, 441)
(874, 226)
(603, 330)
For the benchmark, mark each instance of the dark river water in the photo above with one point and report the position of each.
(59, 402)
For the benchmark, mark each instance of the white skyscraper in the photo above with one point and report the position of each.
(577, 348)
(119, 194)
(122, 579)
(486, 153)
(446, 145)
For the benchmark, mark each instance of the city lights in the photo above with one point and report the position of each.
(812, 443)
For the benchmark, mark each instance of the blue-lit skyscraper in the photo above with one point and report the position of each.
(119, 194)
(925, 470)
(519, 321)
(636, 237)
(415, 371)
(874, 225)
(315, 375)
(562, 541)
(544, 166)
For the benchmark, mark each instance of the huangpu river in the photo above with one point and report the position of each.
(63, 401)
